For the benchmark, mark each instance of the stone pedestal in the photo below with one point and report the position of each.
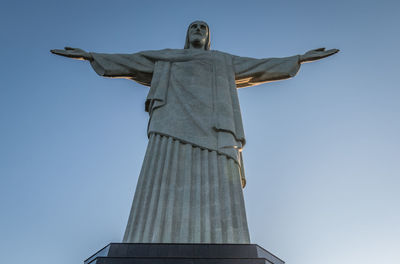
(146, 253)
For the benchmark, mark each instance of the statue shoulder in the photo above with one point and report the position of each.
(221, 53)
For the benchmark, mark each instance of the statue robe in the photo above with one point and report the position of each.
(189, 189)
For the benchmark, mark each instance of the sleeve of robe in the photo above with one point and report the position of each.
(135, 66)
(250, 71)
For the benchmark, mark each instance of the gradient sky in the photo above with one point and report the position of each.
(323, 154)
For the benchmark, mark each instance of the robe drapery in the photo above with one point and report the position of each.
(193, 99)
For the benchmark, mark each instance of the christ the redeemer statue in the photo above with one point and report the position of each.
(190, 186)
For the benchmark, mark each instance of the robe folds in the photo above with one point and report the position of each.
(193, 100)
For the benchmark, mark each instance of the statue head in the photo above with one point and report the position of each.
(198, 35)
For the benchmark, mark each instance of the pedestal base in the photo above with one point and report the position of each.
(146, 253)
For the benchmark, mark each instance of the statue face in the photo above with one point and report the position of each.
(198, 34)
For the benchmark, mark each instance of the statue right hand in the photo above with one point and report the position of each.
(74, 53)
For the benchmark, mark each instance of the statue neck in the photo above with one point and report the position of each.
(196, 45)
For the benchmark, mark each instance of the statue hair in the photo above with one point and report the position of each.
(208, 42)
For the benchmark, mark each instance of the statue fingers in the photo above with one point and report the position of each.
(330, 52)
(333, 51)
(319, 49)
(59, 52)
(67, 53)
(314, 53)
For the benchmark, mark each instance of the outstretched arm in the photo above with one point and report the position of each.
(250, 71)
(135, 66)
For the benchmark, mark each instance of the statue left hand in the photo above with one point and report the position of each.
(317, 54)
(74, 53)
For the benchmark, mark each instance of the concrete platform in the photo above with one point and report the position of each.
(150, 253)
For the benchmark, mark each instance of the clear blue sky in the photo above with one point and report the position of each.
(323, 153)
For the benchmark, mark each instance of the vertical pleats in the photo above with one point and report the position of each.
(186, 194)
